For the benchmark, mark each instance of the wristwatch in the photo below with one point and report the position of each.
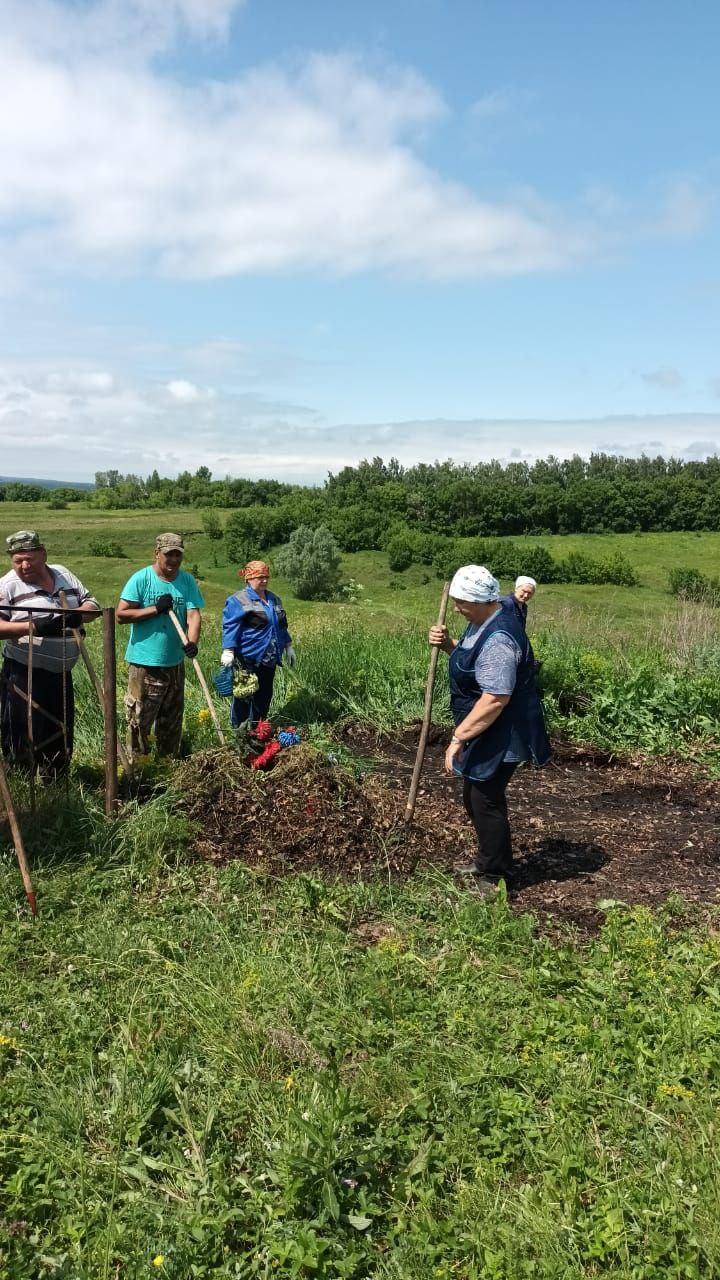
(456, 740)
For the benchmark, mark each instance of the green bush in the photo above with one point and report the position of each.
(311, 563)
(582, 569)
(690, 584)
(106, 548)
(617, 569)
(448, 557)
(402, 552)
(538, 563)
(212, 524)
(253, 529)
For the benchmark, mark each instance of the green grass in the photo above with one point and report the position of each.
(215, 1069)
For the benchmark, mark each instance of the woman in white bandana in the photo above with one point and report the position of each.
(525, 589)
(497, 712)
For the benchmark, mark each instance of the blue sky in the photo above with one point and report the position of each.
(274, 237)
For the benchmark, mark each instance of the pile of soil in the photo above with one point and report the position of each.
(306, 814)
(586, 828)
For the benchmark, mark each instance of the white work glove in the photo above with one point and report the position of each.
(227, 657)
(290, 656)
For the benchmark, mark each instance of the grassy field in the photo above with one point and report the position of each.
(633, 613)
(626, 668)
(206, 1072)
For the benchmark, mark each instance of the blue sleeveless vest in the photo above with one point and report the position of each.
(523, 714)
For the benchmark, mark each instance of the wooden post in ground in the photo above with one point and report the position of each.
(93, 678)
(110, 712)
(9, 808)
(427, 712)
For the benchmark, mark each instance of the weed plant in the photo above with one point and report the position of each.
(657, 697)
(650, 699)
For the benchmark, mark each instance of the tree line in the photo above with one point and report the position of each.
(367, 505)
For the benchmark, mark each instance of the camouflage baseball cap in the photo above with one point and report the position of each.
(23, 540)
(169, 542)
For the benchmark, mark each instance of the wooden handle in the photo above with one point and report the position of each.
(427, 712)
(17, 839)
(203, 682)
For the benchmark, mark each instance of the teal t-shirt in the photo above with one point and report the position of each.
(154, 642)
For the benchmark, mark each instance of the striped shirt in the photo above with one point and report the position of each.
(50, 652)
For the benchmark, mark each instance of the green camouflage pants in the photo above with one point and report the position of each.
(155, 696)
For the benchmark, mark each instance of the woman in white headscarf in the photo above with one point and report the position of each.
(525, 588)
(497, 712)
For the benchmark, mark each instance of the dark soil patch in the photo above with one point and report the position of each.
(586, 828)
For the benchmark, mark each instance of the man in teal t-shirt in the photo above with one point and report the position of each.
(155, 653)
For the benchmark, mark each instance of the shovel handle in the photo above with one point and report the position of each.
(202, 680)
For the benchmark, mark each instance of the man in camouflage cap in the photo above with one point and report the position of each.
(38, 592)
(155, 654)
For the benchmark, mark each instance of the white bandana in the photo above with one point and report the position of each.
(475, 584)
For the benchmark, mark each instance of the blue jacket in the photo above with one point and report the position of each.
(250, 624)
(523, 714)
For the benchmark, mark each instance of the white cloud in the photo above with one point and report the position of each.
(110, 165)
(116, 29)
(81, 382)
(71, 434)
(666, 378)
(185, 392)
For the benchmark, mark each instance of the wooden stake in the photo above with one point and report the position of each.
(429, 690)
(110, 712)
(201, 678)
(94, 681)
(9, 807)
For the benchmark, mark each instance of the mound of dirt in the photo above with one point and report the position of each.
(305, 814)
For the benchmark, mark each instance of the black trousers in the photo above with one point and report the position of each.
(486, 806)
(257, 707)
(50, 756)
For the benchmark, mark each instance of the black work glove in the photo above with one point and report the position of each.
(73, 619)
(282, 618)
(164, 603)
(50, 624)
(190, 649)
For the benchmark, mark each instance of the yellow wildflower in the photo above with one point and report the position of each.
(392, 945)
(675, 1091)
(9, 1042)
(203, 715)
(158, 1259)
(289, 1082)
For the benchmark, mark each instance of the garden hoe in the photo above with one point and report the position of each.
(429, 690)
